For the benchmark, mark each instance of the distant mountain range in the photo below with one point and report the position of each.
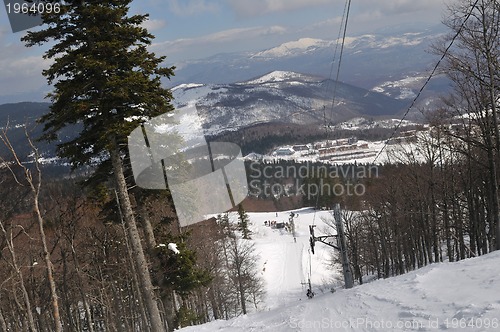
(18, 119)
(368, 61)
(292, 83)
(277, 98)
(395, 64)
(283, 97)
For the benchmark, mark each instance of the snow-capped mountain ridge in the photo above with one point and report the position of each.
(282, 76)
(302, 45)
(309, 45)
(280, 96)
(369, 60)
(187, 86)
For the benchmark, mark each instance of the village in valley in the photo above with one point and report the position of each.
(344, 150)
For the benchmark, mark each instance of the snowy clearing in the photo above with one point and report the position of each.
(461, 296)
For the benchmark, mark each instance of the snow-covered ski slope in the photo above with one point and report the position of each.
(461, 296)
(286, 265)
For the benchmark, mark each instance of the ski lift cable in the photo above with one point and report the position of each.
(342, 31)
(445, 53)
(327, 89)
(348, 6)
(336, 47)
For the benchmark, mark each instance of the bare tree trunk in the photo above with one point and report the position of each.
(35, 185)
(82, 293)
(149, 235)
(119, 311)
(3, 325)
(135, 282)
(493, 101)
(150, 240)
(46, 253)
(135, 241)
(170, 308)
(19, 274)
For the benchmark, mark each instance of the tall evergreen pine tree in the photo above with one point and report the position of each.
(107, 81)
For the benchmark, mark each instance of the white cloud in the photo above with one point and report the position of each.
(3, 32)
(215, 39)
(372, 10)
(154, 24)
(409, 6)
(334, 21)
(400, 6)
(371, 15)
(20, 67)
(191, 7)
(22, 74)
(259, 7)
(237, 34)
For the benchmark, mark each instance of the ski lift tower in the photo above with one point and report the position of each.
(340, 245)
(292, 224)
(348, 280)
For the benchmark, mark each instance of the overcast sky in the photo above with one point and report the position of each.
(190, 29)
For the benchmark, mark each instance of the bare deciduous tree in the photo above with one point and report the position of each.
(33, 179)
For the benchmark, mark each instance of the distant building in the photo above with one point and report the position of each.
(352, 140)
(394, 140)
(253, 156)
(300, 147)
(284, 152)
(409, 133)
(319, 145)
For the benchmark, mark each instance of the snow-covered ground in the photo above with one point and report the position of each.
(286, 264)
(401, 89)
(461, 296)
(278, 76)
(356, 124)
